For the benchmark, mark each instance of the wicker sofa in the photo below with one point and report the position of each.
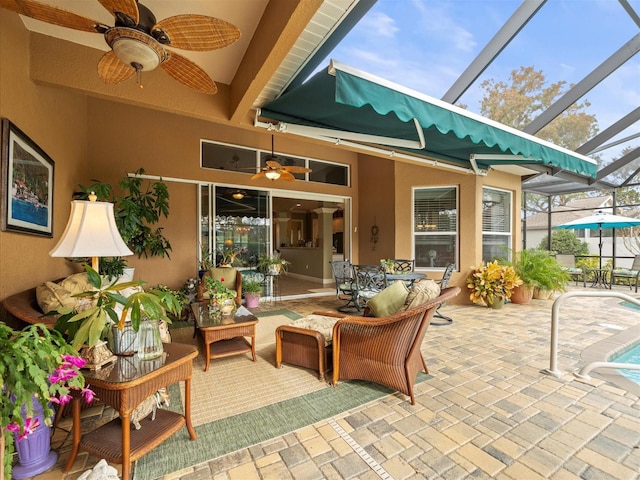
(22, 309)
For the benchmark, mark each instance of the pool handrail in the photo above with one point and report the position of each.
(555, 315)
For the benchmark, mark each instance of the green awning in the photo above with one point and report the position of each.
(347, 101)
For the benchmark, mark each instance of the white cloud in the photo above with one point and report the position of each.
(380, 24)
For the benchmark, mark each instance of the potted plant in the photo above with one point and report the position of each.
(228, 255)
(387, 265)
(492, 283)
(136, 211)
(252, 290)
(32, 382)
(221, 298)
(206, 261)
(108, 306)
(272, 264)
(537, 269)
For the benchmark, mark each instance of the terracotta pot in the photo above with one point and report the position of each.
(522, 294)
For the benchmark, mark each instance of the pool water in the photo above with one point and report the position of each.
(631, 355)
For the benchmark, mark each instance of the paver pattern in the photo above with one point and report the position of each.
(488, 412)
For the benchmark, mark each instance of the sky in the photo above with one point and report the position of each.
(426, 44)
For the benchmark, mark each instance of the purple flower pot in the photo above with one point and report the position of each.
(34, 450)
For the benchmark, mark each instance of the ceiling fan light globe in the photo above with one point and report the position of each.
(272, 175)
(134, 47)
(238, 195)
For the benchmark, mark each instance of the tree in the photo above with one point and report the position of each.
(527, 96)
(565, 242)
(517, 102)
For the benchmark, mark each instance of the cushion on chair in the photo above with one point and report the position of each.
(422, 291)
(226, 275)
(389, 301)
(320, 323)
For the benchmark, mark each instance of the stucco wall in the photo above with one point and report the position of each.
(123, 138)
(56, 120)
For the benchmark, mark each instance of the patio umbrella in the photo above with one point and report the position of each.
(601, 220)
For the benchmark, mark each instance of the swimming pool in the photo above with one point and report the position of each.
(631, 355)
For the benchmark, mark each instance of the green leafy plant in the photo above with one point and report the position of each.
(136, 211)
(251, 286)
(538, 268)
(108, 306)
(490, 281)
(387, 265)
(229, 255)
(268, 263)
(207, 259)
(112, 267)
(217, 290)
(34, 362)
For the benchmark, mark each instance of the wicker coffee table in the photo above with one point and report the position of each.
(224, 337)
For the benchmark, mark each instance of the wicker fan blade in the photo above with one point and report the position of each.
(112, 71)
(272, 164)
(284, 175)
(128, 7)
(295, 169)
(260, 174)
(51, 14)
(188, 73)
(198, 32)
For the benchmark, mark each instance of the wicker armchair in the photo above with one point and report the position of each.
(385, 350)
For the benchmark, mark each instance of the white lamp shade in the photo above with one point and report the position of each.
(272, 174)
(91, 232)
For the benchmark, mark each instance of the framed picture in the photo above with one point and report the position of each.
(26, 191)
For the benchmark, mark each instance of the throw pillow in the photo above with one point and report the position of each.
(76, 283)
(422, 291)
(227, 276)
(51, 296)
(389, 301)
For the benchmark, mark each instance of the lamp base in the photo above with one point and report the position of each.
(97, 356)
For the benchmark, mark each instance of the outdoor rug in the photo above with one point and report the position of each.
(238, 403)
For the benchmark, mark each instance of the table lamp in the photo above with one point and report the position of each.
(91, 231)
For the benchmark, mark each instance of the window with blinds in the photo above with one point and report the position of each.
(496, 223)
(435, 227)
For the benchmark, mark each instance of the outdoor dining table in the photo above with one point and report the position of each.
(407, 277)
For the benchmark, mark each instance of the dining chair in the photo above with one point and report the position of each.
(444, 283)
(369, 281)
(345, 285)
(401, 265)
(568, 262)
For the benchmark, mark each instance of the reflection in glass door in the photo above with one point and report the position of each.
(240, 222)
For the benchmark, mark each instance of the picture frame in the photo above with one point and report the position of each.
(26, 188)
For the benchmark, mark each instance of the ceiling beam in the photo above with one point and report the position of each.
(592, 145)
(619, 163)
(281, 24)
(507, 32)
(601, 72)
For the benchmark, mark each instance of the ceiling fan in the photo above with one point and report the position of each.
(138, 41)
(273, 170)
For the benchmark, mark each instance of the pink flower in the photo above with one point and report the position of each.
(88, 394)
(222, 279)
(62, 399)
(75, 361)
(62, 375)
(30, 425)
